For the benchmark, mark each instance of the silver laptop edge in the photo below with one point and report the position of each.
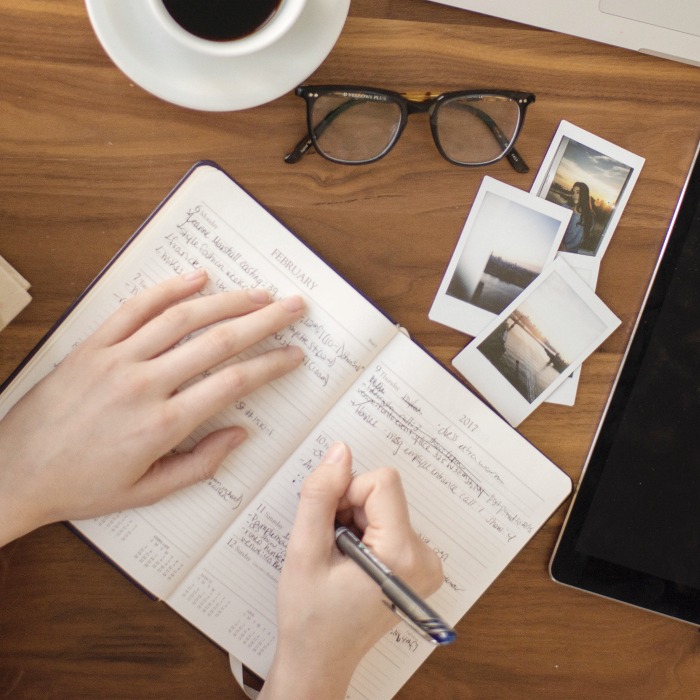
(668, 30)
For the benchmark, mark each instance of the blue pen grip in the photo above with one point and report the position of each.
(416, 611)
(400, 598)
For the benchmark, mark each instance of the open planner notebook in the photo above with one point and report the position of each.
(477, 490)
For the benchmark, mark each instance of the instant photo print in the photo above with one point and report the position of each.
(593, 179)
(507, 240)
(530, 349)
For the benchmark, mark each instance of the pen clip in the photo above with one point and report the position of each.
(440, 634)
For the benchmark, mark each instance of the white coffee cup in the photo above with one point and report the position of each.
(277, 25)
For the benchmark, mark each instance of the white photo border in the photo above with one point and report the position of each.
(565, 395)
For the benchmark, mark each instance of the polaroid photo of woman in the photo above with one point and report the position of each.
(592, 178)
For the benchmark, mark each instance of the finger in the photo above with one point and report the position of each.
(139, 310)
(381, 511)
(225, 341)
(203, 399)
(180, 320)
(313, 536)
(379, 505)
(174, 472)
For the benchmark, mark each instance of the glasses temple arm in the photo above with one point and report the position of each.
(297, 153)
(303, 146)
(514, 158)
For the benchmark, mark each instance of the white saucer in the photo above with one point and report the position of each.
(148, 55)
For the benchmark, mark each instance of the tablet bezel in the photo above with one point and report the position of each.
(568, 565)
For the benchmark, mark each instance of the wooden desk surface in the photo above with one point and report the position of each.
(85, 155)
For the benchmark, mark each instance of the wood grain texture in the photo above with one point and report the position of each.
(85, 155)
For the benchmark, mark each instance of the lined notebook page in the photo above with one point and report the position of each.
(477, 493)
(210, 222)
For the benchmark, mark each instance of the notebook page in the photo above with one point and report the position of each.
(212, 223)
(477, 493)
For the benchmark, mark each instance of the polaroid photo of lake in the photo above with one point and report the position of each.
(507, 240)
(534, 345)
(593, 179)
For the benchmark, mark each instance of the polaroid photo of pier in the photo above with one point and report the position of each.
(593, 179)
(534, 345)
(507, 240)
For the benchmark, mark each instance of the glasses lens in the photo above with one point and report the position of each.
(353, 127)
(477, 129)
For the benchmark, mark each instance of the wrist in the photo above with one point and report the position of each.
(295, 679)
(17, 519)
(19, 505)
(24, 499)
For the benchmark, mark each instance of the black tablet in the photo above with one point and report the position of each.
(633, 529)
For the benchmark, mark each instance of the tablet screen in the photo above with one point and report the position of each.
(633, 530)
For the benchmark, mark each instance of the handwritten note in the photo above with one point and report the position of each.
(475, 498)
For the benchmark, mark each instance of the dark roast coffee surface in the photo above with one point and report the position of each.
(221, 20)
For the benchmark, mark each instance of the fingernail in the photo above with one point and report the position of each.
(293, 303)
(259, 296)
(296, 352)
(194, 275)
(236, 437)
(335, 453)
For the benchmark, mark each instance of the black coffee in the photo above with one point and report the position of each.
(221, 20)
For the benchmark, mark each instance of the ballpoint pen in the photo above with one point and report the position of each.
(400, 598)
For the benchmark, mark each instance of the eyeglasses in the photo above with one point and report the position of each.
(357, 125)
